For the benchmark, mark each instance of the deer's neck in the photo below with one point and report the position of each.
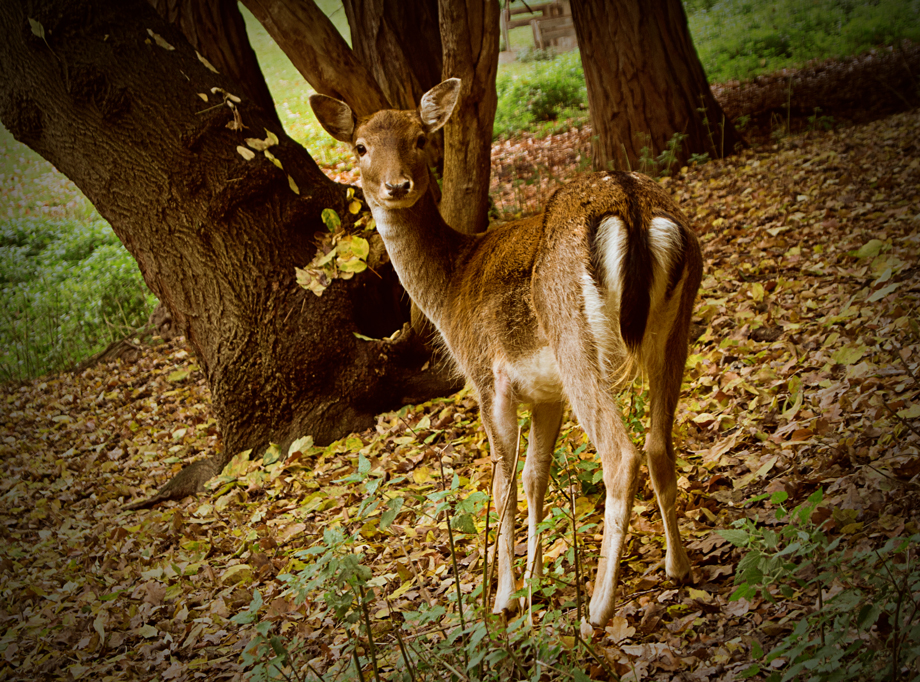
(425, 250)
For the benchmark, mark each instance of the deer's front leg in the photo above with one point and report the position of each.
(545, 421)
(499, 417)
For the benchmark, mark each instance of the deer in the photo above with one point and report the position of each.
(562, 307)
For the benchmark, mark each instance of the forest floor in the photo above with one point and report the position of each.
(803, 376)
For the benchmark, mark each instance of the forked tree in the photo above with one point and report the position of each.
(113, 96)
(566, 305)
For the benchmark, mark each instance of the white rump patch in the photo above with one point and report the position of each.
(611, 246)
(664, 240)
(603, 311)
(598, 322)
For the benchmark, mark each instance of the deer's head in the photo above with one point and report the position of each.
(390, 146)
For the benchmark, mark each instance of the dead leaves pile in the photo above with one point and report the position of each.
(804, 375)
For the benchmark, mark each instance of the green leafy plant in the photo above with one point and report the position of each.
(864, 622)
(535, 54)
(538, 96)
(454, 638)
(662, 164)
(818, 122)
(339, 254)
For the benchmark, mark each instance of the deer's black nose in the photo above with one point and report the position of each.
(398, 189)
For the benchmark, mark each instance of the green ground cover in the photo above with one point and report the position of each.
(739, 39)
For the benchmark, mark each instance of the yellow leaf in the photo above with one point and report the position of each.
(402, 589)
(247, 154)
(274, 159)
(619, 629)
(241, 573)
(354, 207)
(257, 144)
(158, 39)
(208, 65)
(701, 595)
(912, 412)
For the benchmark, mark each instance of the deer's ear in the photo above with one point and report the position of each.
(438, 104)
(335, 116)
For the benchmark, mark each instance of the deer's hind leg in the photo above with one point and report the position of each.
(599, 417)
(664, 357)
(580, 345)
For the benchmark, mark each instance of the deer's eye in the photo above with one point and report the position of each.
(361, 149)
(421, 142)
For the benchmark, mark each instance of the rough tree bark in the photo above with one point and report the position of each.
(217, 30)
(319, 52)
(399, 42)
(644, 79)
(469, 34)
(217, 237)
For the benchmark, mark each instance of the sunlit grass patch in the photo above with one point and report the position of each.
(739, 39)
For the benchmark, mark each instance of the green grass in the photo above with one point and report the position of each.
(67, 285)
(291, 92)
(739, 39)
(67, 289)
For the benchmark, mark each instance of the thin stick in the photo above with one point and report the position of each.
(370, 636)
(402, 647)
(354, 651)
(571, 499)
(485, 546)
(453, 560)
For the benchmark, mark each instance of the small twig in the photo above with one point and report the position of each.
(485, 546)
(909, 371)
(354, 651)
(514, 659)
(402, 647)
(370, 637)
(453, 559)
(901, 419)
(596, 656)
(571, 499)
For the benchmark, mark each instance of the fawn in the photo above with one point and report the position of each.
(561, 306)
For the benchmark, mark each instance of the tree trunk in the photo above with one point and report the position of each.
(399, 42)
(217, 30)
(469, 34)
(118, 110)
(319, 52)
(646, 83)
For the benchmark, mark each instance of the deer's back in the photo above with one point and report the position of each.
(506, 278)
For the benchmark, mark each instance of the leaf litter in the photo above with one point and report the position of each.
(803, 375)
